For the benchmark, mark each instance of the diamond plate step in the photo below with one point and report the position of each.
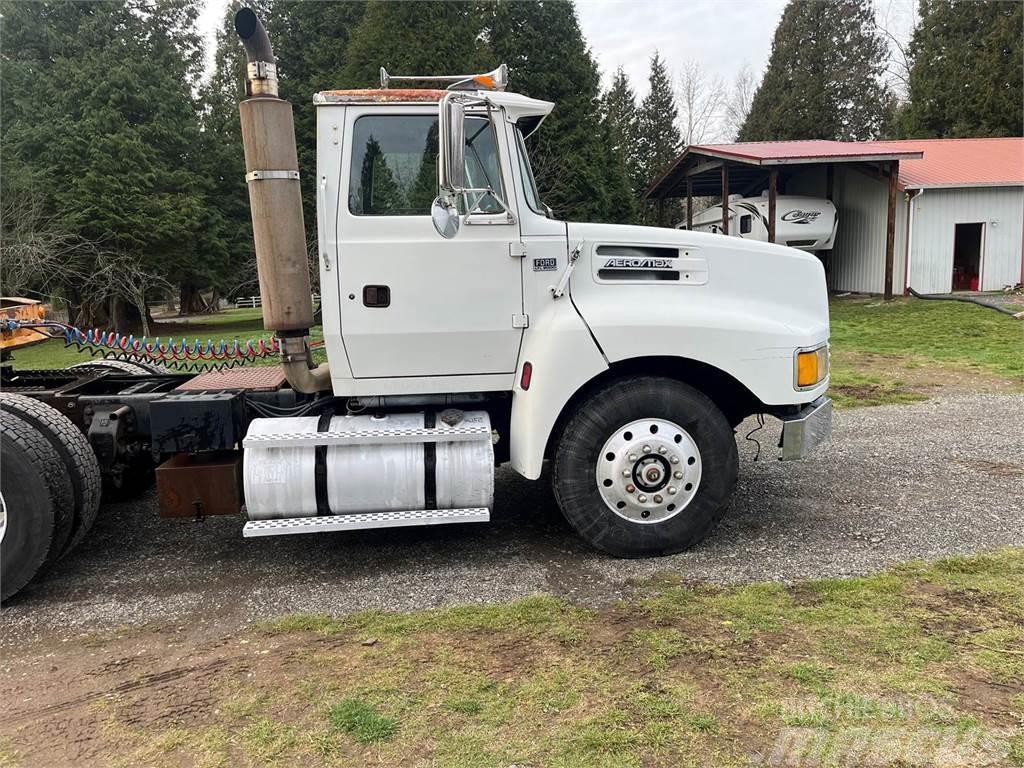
(442, 434)
(364, 521)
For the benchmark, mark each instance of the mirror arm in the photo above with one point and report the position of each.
(481, 193)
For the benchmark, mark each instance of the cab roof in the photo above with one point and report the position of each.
(515, 105)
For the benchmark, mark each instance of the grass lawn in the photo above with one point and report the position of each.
(904, 663)
(901, 351)
(907, 349)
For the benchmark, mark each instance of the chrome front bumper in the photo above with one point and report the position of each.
(805, 430)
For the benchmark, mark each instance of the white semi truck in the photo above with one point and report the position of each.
(464, 327)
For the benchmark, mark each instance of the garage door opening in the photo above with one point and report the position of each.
(967, 256)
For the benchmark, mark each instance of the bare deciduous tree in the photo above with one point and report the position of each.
(125, 276)
(700, 97)
(550, 173)
(897, 28)
(36, 254)
(737, 106)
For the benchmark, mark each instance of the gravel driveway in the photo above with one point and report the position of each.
(895, 483)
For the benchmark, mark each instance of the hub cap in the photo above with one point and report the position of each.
(649, 470)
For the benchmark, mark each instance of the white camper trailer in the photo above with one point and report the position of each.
(808, 223)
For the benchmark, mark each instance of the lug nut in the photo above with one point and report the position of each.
(641, 498)
(662, 449)
(630, 488)
(678, 475)
(674, 459)
(647, 449)
(632, 457)
(658, 499)
(625, 473)
(671, 490)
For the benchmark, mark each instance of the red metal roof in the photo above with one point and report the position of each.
(812, 150)
(963, 163)
(923, 162)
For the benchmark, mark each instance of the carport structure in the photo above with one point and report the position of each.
(797, 168)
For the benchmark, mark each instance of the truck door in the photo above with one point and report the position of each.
(413, 303)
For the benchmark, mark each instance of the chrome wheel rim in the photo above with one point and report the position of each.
(648, 471)
(3, 517)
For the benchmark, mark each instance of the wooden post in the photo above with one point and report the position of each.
(890, 226)
(725, 198)
(773, 194)
(689, 203)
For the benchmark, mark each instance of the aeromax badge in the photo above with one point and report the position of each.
(644, 263)
(801, 217)
(545, 265)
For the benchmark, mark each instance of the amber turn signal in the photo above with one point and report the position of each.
(811, 366)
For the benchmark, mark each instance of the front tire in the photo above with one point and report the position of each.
(645, 467)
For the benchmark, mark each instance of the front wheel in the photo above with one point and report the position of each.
(645, 467)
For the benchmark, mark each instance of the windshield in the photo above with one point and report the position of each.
(529, 183)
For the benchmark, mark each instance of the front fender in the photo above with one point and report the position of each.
(564, 358)
(744, 342)
(741, 307)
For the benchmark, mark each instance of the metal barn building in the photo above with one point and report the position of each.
(935, 215)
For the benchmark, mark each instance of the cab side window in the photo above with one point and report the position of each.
(745, 224)
(394, 164)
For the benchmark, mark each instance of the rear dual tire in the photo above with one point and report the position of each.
(646, 466)
(31, 503)
(50, 486)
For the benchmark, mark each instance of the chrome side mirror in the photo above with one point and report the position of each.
(451, 165)
(445, 217)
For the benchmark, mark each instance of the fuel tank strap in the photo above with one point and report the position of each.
(430, 464)
(323, 504)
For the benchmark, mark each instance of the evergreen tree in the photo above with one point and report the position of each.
(620, 114)
(432, 37)
(310, 41)
(548, 59)
(102, 111)
(824, 77)
(966, 77)
(659, 140)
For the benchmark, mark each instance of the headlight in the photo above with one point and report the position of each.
(811, 366)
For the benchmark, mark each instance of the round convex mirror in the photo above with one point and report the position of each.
(445, 217)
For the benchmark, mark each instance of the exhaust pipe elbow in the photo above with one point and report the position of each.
(296, 360)
(261, 69)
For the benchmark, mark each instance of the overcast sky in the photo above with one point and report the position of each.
(722, 35)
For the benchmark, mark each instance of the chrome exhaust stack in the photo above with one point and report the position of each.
(275, 201)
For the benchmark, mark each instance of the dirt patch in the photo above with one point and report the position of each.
(995, 468)
(878, 374)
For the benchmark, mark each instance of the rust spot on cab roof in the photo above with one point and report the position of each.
(379, 95)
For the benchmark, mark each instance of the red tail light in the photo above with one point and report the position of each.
(524, 380)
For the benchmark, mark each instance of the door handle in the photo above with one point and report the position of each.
(376, 296)
(325, 257)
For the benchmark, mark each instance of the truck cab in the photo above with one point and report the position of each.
(518, 297)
